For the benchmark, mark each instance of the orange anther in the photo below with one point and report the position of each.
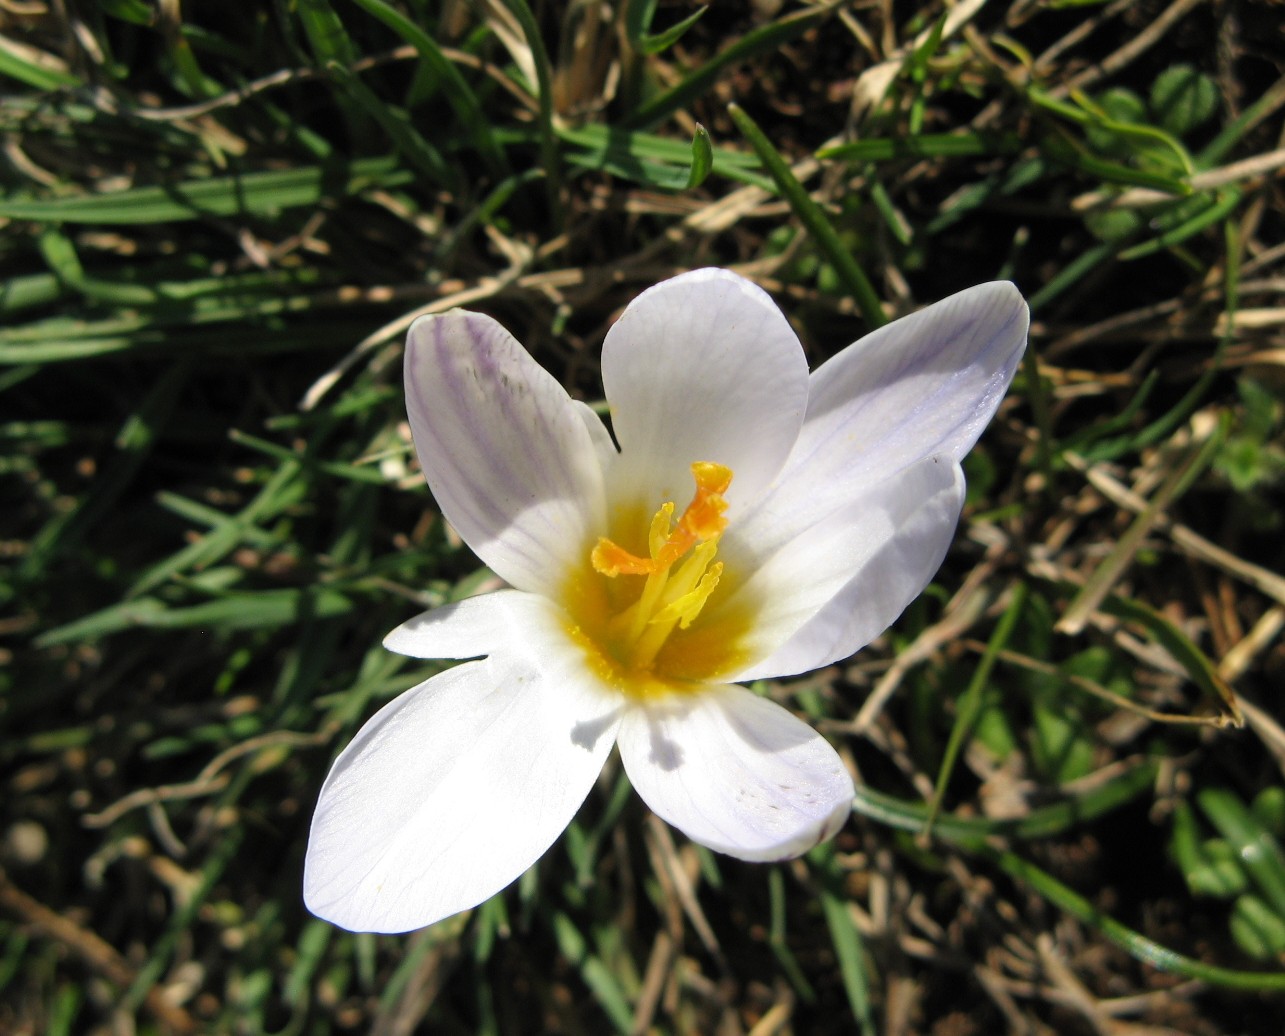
(702, 521)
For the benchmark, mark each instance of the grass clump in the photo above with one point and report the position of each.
(220, 221)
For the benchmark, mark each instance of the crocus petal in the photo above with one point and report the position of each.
(506, 452)
(925, 384)
(880, 587)
(470, 628)
(598, 435)
(455, 788)
(736, 772)
(869, 558)
(702, 367)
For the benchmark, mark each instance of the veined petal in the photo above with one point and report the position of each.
(883, 584)
(470, 628)
(702, 367)
(925, 384)
(870, 557)
(505, 450)
(454, 789)
(736, 772)
(598, 435)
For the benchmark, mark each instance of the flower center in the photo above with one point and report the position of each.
(673, 594)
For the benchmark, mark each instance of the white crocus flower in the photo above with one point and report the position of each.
(820, 506)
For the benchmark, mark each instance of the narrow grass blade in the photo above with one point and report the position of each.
(401, 132)
(255, 194)
(41, 77)
(283, 489)
(778, 942)
(1041, 822)
(370, 476)
(264, 609)
(660, 162)
(658, 43)
(1200, 668)
(1134, 943)
(970, 704)
(763, 40)
(1258, 852)
(133, 444)
(455, 89)
(1108, 573)
(549, 157)
(925, 145)
(702, 156)
(849, 946)
(814, 219)
(1219, 208)
(595, 974)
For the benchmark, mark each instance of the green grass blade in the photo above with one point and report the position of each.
(845, 938)
(1108, 573)
(658, 43)
(456, 90)
(397, 125)
(264, 609)
(1134, 943)
(549, 157)
(924, 145)
(251, 194)
(1041, 822)
(970, 704)
(814, 219)
(702, 156)
(34, 75)
(1259, 853)
(763, 40)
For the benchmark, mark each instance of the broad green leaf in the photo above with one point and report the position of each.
(1184, 99)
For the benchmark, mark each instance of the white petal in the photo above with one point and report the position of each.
(598, 434)
(883, 584)
(470, 628)
(702, 367)
(851, 574)
(925, 384)
(736, 772)
(455, 788)
(928, 383)
(505, 450)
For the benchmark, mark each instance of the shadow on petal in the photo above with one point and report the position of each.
(665, 752)
(586, 732)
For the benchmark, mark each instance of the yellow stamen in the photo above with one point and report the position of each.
(669, 599)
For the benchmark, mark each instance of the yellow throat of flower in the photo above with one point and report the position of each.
(635, 606)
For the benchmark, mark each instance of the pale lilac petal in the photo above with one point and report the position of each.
(598, 435)
(928, 383)
(470, 628)
(736, 772)
(923, 385)
(883, 584)
(866, 562)
(456, 787)
(505, 450)
(702, 367)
